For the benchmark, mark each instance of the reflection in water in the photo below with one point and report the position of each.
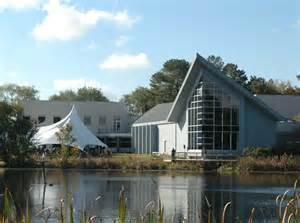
(182, 195)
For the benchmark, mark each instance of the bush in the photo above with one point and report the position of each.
(258, 151)
(270, 163)
(15, 135)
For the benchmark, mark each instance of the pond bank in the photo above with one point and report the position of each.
(247, 164)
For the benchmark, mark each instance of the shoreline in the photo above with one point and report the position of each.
(152, 170)
(140, 163)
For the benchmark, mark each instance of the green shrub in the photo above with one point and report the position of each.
(258, 151)
(270, 163)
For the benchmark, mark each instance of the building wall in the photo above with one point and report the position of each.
(145, 138)
(107, 110)
(258, 128)
(167, 137)
(182, 133)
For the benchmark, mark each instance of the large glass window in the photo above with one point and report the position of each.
(213, 118)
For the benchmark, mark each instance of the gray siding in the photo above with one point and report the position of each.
(145, 139)
(259, 129)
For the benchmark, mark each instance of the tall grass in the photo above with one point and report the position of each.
(117, 162)
(122, 206)
(287, 211)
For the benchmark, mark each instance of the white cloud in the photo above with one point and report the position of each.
(65, 22)
(123, 19)
(19, 4)
(121, 41)
(74, 84)
(125, 61)
(92, 45)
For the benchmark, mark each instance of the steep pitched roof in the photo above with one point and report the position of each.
(156, 114)
(198, 66)
(286, 105)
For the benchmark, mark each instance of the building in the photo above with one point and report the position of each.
(212, 115)
(109, 121)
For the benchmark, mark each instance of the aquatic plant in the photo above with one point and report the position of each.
(287, 211)
(122, 206)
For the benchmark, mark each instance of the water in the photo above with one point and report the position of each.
(182, 194)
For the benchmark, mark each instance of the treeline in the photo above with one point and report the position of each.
(163, 87)
(13, 93)
(165, 84)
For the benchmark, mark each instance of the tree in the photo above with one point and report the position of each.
(235, 73)
(13, 93)
(258, 85)
(166, 83)
(90, 94)
(216, 61)
(82, 94)
(67, 95)
(66, 139)
(139, 101)
(164, 86)
(15, 134)
(64, 135)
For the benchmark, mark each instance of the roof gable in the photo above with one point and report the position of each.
(197, 68)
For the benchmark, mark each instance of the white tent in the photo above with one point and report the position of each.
(46, 135)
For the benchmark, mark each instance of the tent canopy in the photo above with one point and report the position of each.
(46, 135)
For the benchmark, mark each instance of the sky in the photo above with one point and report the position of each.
(117, 45)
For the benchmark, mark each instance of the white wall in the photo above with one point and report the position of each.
(166, 138)
(182, 133)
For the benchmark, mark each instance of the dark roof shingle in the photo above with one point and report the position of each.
(158, 113)
(286, 105)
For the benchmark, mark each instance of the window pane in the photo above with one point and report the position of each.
(56, 119)
(218, 140)
(235, 116)
(117, 125)
(226, 140)
(87, 120)
(234, 140)
(41, 119)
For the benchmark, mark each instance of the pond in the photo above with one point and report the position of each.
(182, 194)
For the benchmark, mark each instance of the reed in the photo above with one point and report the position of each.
(122, 206)
(287, 205)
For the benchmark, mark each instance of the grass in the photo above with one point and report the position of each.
(246, 164)
(287, 211)
(140, 162)
(116, 162)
